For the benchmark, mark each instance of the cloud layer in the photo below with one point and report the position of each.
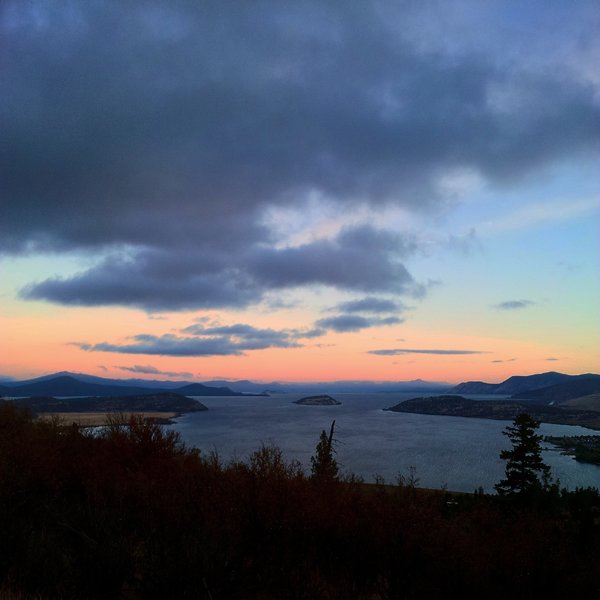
(398, 351)
(156, 136)
(150, 370)
(514, 304)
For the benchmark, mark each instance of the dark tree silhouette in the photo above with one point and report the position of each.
(524, 461)
(324, 467)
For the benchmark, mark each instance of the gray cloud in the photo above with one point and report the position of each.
(505, 360)
(154, 280)
(514, 304)
(397, 351)
(357, 258)
(311, 333)
(345, 323)
(199, 340)
(150, 370)
(371, 304)
(158, 133)
(247, 337)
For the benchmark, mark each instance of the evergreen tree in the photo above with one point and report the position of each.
(324, 467)
(524, 460)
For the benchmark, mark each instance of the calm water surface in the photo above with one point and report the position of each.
(456, 452)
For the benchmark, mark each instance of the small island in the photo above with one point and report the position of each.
(321, 400)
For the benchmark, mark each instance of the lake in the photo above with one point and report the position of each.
(454, 452)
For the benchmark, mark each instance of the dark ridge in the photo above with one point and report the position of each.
(156, 402)
(564, 391)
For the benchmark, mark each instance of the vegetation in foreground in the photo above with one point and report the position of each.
(132, 513)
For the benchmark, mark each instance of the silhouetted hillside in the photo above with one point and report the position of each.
(581, 386)
(474, 387)
(517, 384)
(524, 383)
(132, 513)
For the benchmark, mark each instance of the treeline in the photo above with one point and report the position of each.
(585, 448)
(133, 513)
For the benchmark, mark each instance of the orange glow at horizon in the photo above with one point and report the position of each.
(47, 339)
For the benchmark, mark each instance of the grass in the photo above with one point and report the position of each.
(99, 419)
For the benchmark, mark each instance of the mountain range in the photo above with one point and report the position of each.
(66, 383)
(545, 387)
(73, 384)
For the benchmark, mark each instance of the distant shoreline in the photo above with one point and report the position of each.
(499, 410)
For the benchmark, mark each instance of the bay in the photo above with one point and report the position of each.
(459, 453)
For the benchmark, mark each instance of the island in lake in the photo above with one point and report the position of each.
(322, 400)
(458, 406)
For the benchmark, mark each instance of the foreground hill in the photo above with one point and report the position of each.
(133, 513)
(457, 406)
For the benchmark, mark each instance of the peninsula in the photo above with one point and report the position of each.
(160, 406)
(458, 406)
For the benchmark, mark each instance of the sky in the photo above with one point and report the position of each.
(300, 191)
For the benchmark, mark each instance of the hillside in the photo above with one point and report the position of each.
(562, 392)
(591, 402)
(131, 512)
(523, 383)
(474, 387)
(519, 384)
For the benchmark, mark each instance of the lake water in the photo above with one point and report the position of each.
(460, 453)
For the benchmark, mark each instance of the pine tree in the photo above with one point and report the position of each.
(524, 460)
(324, 467)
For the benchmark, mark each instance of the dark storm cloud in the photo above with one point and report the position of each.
(514, 304)
(154, 280)
(160, 132)
(360, 258)
(344, 323)
(397, 351)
